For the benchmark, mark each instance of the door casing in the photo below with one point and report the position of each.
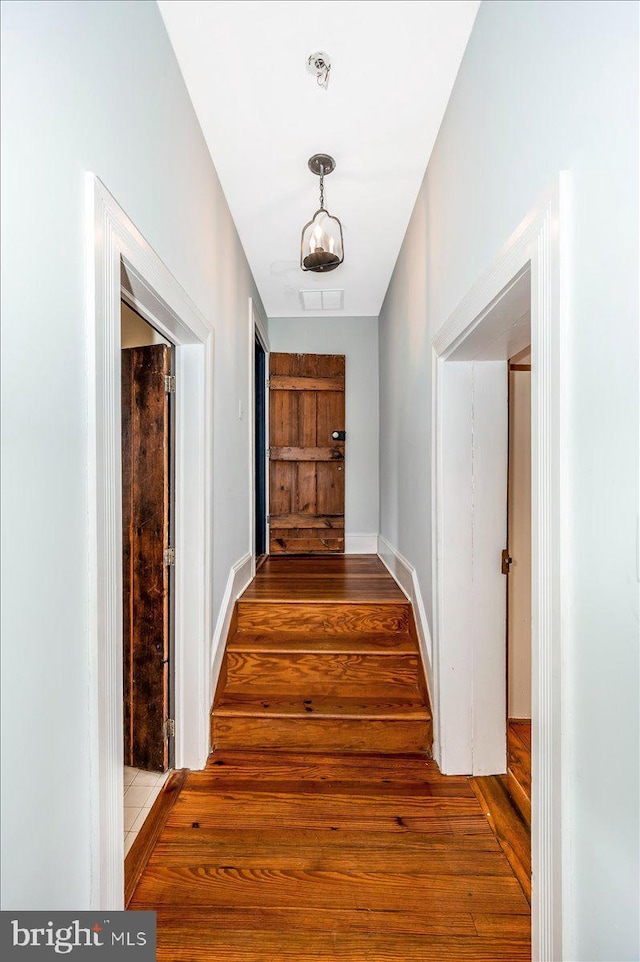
(539, 245)
(120, 263)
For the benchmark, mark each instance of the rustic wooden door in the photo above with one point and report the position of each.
(146, 505)
(306, 453)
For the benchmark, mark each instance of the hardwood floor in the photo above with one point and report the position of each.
(306, 852)
(506, 799)
(323, 656)
(277, 855)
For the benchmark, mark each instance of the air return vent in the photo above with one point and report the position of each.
(321, 300)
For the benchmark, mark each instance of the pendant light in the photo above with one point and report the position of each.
(322, 247)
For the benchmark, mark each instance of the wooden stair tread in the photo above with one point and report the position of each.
(305, 642)
(321, 707)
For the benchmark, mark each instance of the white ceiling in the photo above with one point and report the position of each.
(263, 115)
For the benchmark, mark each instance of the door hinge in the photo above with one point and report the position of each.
(268, 519)
(169, 557)
(170, 383)
(169, 728)
(506, 562)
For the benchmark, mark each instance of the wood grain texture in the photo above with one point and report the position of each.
(328, 868)
(306, 521)
(334, 619)
(323, 673)
(145, 459)
(506, 821)
(282, 382)
(351, 578)
(145, 841)
(325, 680)
(306, 470)
(308, 643)
(303, 853)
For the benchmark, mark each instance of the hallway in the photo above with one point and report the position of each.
(312, 854)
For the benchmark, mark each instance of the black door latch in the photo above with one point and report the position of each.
(339, 435)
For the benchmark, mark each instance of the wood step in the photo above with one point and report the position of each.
(322, 673)
(321, 724)
(306, 642)
(287, 706)
(332, 619)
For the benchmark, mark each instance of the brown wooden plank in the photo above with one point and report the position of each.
(333, 453)
(205, 885)
(307, 643)
(140, 852)
(147, 611)
(284, 418)
(303, 946)
(516, 927)
(352, 735)
(323, 706)
(310, 919)
(327, 674)
(330, 488)
(330, 416)
(307, 521)
(315, 857)
(283, 382)
(307, 365)
(184, 841)
(285, 541)
(282, 488)
(505, 820)
(331, 767)
(336, 618)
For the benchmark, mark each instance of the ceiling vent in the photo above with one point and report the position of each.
(321, 300)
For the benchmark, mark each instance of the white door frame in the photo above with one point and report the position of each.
(257, 328)
(539, 243)
(121, 263)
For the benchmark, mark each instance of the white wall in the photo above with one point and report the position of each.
(88, 86)
(545, 87)
(357, 338)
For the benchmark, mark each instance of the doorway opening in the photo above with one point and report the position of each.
(470, 433)
(148, 570)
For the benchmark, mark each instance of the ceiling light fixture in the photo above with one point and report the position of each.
(319, 63)
(322, 247)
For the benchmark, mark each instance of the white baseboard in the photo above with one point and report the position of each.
(240, 576)
(361, 544)
(405, 574)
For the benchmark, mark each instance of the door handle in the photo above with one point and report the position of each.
(339, 435)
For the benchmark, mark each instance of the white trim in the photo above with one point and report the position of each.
(406, 576)
(256, 329)
(117, 256)
(360, 543)
(539, 243)
(240, 577)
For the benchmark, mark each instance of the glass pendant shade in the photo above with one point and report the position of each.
(322, 248)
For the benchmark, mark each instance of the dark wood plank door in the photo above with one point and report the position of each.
(306, 463)
(145, 535)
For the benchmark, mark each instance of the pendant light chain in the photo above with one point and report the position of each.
(322, 189)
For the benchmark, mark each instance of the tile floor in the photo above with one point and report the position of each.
(140, 792)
